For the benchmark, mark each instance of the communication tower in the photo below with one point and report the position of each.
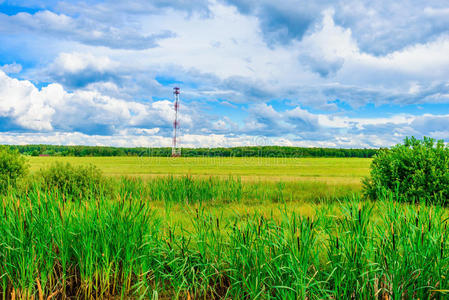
(176, 149)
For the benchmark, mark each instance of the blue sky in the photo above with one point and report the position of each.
(302, 73)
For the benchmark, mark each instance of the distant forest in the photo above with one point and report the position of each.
(261, 151)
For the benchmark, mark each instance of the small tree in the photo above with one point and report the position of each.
(415, 170)
(12, 166)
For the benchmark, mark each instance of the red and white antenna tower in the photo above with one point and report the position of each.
(176, 149)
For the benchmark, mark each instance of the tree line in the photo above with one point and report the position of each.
(251, 151)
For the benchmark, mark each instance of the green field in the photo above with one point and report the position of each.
(303, 179)
(218, 228)
(328, 170)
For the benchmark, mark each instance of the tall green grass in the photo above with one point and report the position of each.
(117, 245)
(184, 190)
(214, 190)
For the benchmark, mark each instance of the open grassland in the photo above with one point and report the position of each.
(295, 178)
(219, 228)
(329, 170)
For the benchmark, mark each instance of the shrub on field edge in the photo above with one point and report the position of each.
(74, 182)
(416, 170)
(12, 167)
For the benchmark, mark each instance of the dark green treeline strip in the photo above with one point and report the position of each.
(262, 151)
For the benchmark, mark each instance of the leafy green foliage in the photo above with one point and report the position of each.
(12, 166)
(73, 181)
(415, 170)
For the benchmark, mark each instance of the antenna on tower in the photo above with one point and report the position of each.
(176, 149)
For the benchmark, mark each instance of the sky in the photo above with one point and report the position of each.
(340, 73)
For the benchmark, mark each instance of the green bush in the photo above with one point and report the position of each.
(12, 167)
(416, 170)
(74, 182)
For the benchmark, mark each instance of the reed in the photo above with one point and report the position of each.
(194, 190)
(117, 244)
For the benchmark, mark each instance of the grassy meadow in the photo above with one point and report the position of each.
(329, 170)
(219, 228)
(297, 180)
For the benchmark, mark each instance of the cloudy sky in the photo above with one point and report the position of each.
(252, 72)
